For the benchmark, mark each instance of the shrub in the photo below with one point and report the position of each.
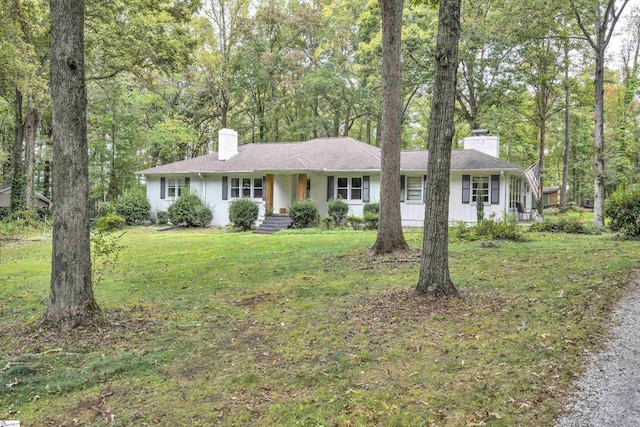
(568, 224)
(5, 211)
(243, 213)
(303, 213)
(328, 222)
(371, 220)
(190, 210)
(110, 222)
(133, 206)
(105, 208)
(623, 211)
(505, 229)
(355, 222)
(371, 207)
(162, 217)
(338, 209)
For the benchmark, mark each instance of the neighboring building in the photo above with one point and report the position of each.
(5, 198)
(276, 175)
(551, 196)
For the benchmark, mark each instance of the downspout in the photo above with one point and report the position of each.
(204, 187)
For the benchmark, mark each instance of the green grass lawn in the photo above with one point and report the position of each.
(212, 328)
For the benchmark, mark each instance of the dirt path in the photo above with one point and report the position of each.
(608, 394)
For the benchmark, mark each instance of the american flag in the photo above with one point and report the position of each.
(533, 178)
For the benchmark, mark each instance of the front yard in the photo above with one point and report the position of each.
(213, 328)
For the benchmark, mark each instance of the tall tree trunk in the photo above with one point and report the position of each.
(18, 182)
(598, 159)
(32, 121)
(434, 278)
(543, 136)
(390, 237)
(567, 131)
(71, 300)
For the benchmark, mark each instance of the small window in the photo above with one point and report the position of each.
(175, 187)
(246, 187)
(414, 188)
(356, 188)
(343, 188)
(480, 189)
(235, 188)
(257, 188)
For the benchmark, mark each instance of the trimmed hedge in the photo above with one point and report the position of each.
(623, 211)
(338, 209)
(303, 214)
(243, 213)
(190, 210)
(133, 206)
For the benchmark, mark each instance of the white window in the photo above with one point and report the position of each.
(480, 189)
(246, 188)
(349, 188)
(356, 189)
(176, 187)
(414, 188)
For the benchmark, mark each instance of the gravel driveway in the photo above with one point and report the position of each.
(608, 394)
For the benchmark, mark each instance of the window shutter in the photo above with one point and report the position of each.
(329, 188)
(187, 182)
(424, 189)
(225, 188)
(495, 189)
(466, 188)
(365, 189)
(402, 188)
(264, 188)
(163, 187)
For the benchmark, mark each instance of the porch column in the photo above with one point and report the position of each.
(302, 186)
(269, 199)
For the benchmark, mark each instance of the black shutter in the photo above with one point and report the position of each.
(225, 188)
(402, 188)
(365, 189)
(264, 188)
(187, 182)
(162, 187)
(495, 189)
(329, 188)
(424, 189)
(466, 188)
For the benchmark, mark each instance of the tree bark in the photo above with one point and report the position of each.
(567, 130)
(390, 237)
(18, 183)
(543, 137)
(71, 300)
(434, 278)
(598, 158)
(32, 121)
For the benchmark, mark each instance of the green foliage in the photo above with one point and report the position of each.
(480, 209)
(338, 209)
(355, 222)
(133, 206)
(243, 213)
(566, 224)
(489, 229)
(623, 211)
(105, 208)
(18, 192)
(303, 213)
(110, 222)
(105, 249)
(162, 217)
(5, 211)
(505, 229)
(190, 210)
(371, 207)
(371, 220)
(328, 222)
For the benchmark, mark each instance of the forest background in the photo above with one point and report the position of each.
(163, 76)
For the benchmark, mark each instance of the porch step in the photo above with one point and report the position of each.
(273, 223)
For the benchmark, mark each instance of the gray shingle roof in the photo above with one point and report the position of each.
(321, 154)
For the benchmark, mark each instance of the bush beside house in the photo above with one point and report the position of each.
(190, 210)
(243, 213)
